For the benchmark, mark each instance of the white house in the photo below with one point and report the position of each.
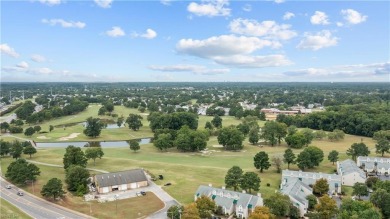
(230, 201)
(350, 173)
(371, 164)
(297, 191)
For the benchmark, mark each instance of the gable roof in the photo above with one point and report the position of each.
(294, 189)
(226, 198)
(369, 162)
(349, 166)
(119, 178)
(310, 178)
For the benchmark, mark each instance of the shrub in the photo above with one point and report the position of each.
(268, 184)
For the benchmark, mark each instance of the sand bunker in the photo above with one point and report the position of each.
(217, 146)
(42, 137)
(73, 135)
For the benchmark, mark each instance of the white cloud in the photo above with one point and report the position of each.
(150, 34)
(195, 69)
(319, 18)
(247, 8)
(339, 24)
(245, 61)
(318, 40)
(41, 71)
(210, 8)
(38, 58)
(104, 3)
(166, 2)
(307, 72)
(288, 15)
(115, 32)
(50, 2)
(266, 29)
(279, 1)
(23, 65)
(224, 45)
(353, 17)
(63, 23)
(4, 48)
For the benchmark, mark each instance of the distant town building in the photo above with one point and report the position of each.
(230, 201)
(118, 181)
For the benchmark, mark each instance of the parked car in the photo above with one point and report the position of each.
(20, 193)
(8, 186)
(168, 184)
(143, 193)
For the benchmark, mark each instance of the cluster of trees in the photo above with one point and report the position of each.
(274, 132)
(107, 108)
(172, 121)
(281, 206)
(21, 172)
(134, 122)
(361, 119)
(383, 142)
(236, 178)
(93, 127)
(16, 148)
(203, 207)
(32, 130)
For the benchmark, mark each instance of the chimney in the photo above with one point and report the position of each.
(210, 185)
(243, 191)
(223, 187)
(259, 194)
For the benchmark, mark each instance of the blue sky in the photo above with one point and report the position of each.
(218, 40)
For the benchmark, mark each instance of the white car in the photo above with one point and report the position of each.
(8, 186)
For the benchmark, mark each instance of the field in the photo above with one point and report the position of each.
(9, 211)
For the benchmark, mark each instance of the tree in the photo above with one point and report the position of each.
(310, 157)
(29, 150)
(190, 212)
(321, 186)
(273, 132)
(249, 181)
(51, 128)
(382, 185)
(37, 128)
(174, 212)
(93, 153)
(277, 162)
(205, 206)
(217, 121)
(381, 199)
(308, 135)
(75, 177)
(292, 129)
(326, 207)
(74, 156)
(93, 127)
(134, 121)
(371, 181)
(209, 126)
(120, 121)
(358, 149)
(289, 157)
(29, 131)
(333, 156)
(5, 147)
(102, 111)
(21, 171)
(261, 161)
(382, 146)
(320, 134)
(231, 138)
(312, 199)
(4, 126)
(358, 209)
(278, 204)
(53, 188)
(16, 149)
(261, 212)
(297, 140)
(163, 142)
(360, 189)
(233, 177)
(254, 135)
(134, 145)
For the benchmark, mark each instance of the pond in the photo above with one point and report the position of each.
(103, 144)
(110, 124)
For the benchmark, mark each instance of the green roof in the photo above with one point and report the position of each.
(250, 206)
(235, 201)
(213, 197)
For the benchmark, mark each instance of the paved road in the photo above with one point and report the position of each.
(36, 207)
(165, 197)
(8, 118)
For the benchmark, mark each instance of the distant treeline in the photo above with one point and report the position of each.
(360, 119)
(10, 109)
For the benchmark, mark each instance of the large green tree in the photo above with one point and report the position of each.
(326, 207)
(360, 189)
(76, 177)
(233, 177)
(4, 126)
(16, 149)
(134, 122)
(134, 145)
(29, 131)
(21, 171)
(321, 186)
(217, 121)
(310, 157)
(381, 199)
(289, 157)
(74, 156)
(358, 149)
(249, 181)
(93, 153)
(30, 150)
(174, 212)
(274, 132)
(93, 127)
(382, 146)
(231, 138)
(53, 188)
(279, 204)
(333, 156)
(254, 135)
(358, 209)
(297, 140)
(261, 161)
(163, 142)
(205, 206)
(5, 147)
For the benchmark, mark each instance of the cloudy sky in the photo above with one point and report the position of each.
(208, 40)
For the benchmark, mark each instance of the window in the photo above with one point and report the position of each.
(300, 179)
(240, 208)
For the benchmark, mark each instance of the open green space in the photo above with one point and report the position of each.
(7, 211)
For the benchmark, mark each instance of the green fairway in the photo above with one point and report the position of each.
(7, 210)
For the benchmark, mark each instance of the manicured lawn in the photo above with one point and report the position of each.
(9, 211)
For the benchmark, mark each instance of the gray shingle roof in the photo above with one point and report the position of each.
(293, 188)
(228, 197)
(349, 166)
(119, 178)
(369, 162)
(310, 178)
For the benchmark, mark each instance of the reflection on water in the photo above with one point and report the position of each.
(104, 144)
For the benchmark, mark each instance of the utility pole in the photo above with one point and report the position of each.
(10, 97)
(23, 95)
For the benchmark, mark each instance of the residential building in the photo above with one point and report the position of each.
(297, 191)
(350, 173)
(118, 181)
(374, 164)
(230, 201)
